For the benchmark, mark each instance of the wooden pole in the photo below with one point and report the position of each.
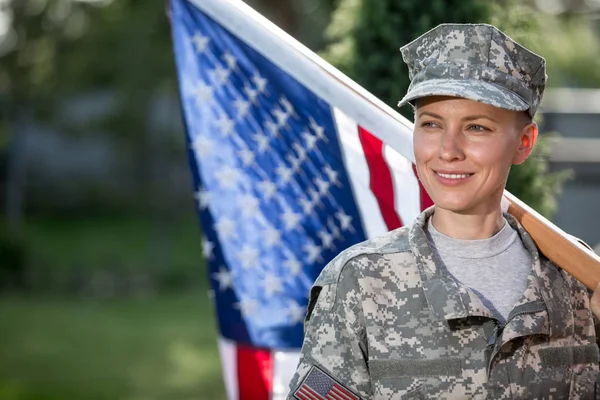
(561, 248)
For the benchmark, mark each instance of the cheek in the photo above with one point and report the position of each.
(493, 155)
(424, 147)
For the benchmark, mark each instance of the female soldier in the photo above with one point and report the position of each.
(460, 304)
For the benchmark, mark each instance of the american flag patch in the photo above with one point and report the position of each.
(318, 386)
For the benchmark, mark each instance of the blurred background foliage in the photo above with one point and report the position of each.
(103, 289)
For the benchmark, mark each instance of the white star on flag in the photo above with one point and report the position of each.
(289, 108)
(284, 173)
(248, 257)
(202, 146)
(225, 279)
(326, 238)
(228, 177)
(202, 91)
(272, 127)
(247, 156)
(345, 221)
(225, 125)
(259, 82)
(262, 140)
(315, 198)
(207, 248)
(332, 175)
(250, 93)
(242, 107)
(249, 205)
(271, 236)
(323, 185)
(310, 139)
(291, 219)
(247, 306)
(317, 129)
(296, 312)
(313, 251)
(200, 42)
(294, 162)
(202, 196)
(226, 228)
(268, 188)
(293, 265)
(272, 285)
(281, 117)
(222, 73)
(230, 60)
(307, 206)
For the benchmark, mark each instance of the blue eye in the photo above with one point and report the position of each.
(478, 128)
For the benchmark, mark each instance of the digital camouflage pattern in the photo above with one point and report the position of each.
(387, 323)
(477, 62)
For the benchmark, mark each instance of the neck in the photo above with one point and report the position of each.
(468, 226)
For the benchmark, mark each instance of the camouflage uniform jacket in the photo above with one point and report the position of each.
(386, 323)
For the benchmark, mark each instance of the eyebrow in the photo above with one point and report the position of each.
(467, 118)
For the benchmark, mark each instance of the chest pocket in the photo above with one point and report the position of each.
(580, 366)
(410, 379)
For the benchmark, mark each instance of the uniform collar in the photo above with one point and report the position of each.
(448, 299)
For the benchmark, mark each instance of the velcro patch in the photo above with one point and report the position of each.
(566, 356)
(317, 385)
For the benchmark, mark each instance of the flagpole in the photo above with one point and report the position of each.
(385, 123)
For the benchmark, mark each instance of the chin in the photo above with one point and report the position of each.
(457, 205)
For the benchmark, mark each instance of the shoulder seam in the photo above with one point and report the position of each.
(365, 253)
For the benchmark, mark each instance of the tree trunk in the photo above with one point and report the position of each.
(282, 13)
(16, 172)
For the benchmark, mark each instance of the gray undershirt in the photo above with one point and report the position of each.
(496, 268)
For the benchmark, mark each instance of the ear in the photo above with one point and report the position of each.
(527, 138)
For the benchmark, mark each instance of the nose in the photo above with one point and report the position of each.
(451, 148)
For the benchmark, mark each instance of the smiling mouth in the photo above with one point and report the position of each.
(453, 176)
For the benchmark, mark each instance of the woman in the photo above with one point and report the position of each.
(460, 304)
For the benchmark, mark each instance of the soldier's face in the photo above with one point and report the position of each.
(464, 150)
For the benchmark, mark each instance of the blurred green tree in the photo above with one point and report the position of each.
(33, 33)
(364, 40)
(53, 52)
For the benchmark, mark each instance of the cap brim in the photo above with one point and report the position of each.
(472, 89)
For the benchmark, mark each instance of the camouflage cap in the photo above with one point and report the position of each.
(477, 62)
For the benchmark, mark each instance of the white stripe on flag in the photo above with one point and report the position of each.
(285, 363)
(228, 352)
(406, 186)
(358, 171)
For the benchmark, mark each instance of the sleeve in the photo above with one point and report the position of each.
(334, 349)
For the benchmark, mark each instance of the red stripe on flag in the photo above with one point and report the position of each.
(254, 373)
(303, 394)
(308, 393)
(339, 392)
(382, 184)
(426, 201)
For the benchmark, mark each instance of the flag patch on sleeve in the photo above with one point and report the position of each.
(319, 386)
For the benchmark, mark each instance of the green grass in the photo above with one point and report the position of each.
(157, 346)
(154, 349)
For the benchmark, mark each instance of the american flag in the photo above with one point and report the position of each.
(319, 386)
(286, 175)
